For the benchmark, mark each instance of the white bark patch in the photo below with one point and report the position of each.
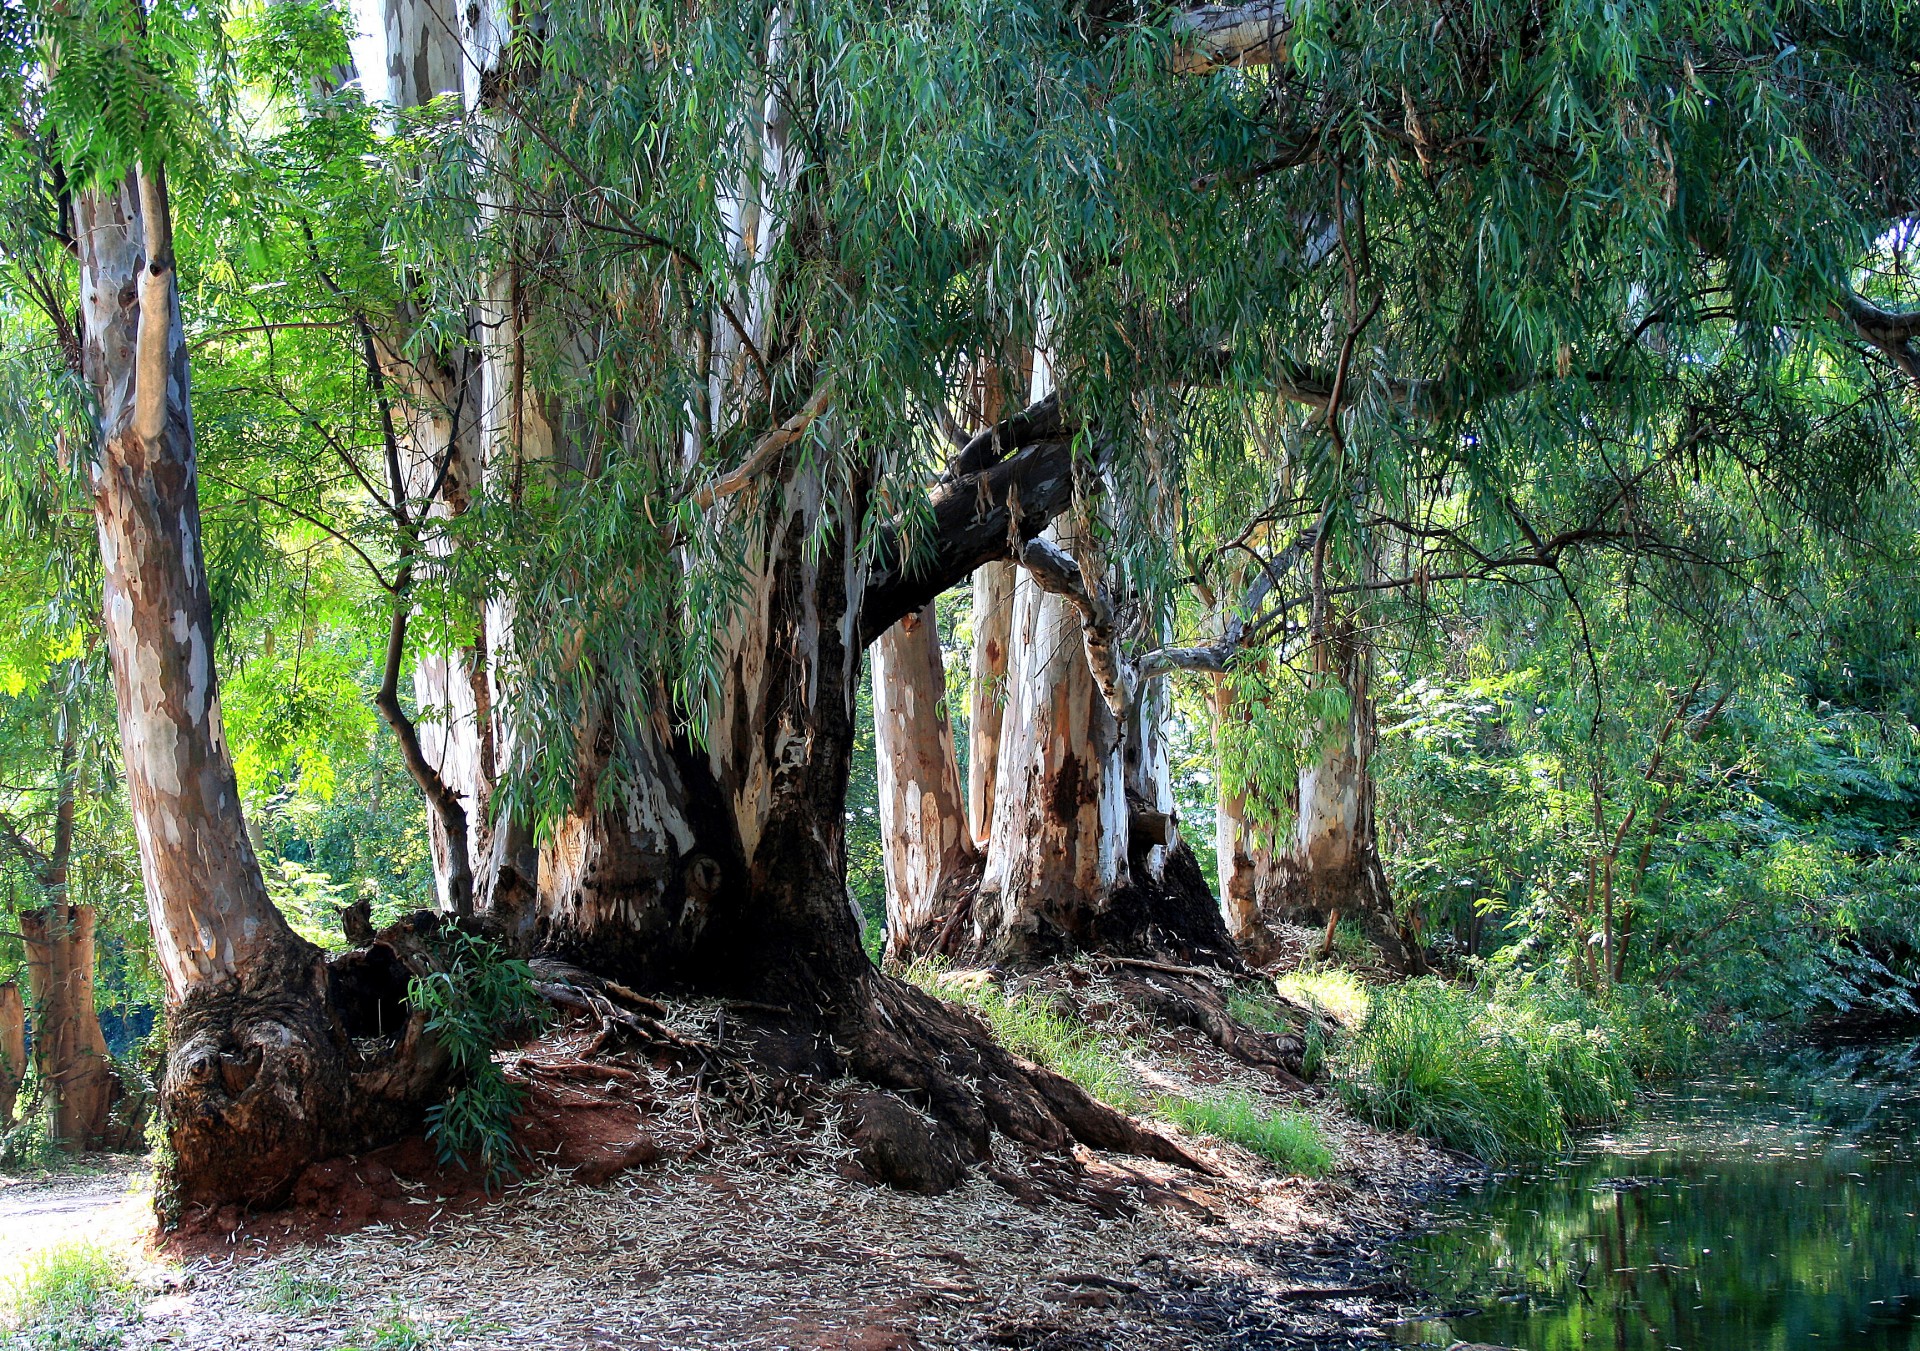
(197, 676)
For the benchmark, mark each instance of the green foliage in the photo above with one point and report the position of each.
(478, 999)
(68, 1296)
(1289, 1138)
(1501, 1074)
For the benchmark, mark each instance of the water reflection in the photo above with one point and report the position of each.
(1771, 1208)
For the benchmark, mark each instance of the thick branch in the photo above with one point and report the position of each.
(971, 519)
(1253, 34)
(1891, 331)
(1042, 421)
(1054, 570)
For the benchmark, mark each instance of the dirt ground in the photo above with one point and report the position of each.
(747, 1232)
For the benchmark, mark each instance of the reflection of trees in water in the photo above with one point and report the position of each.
(1747, 1213)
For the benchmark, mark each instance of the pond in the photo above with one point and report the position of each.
(1768, 1207)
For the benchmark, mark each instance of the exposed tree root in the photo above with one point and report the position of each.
(317, 1055)
(1179, 1000)
(944, 1060)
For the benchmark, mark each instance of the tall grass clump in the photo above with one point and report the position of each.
(1289, 1138)
(62, 1295)
(1034, 1027)
(1499, 1074)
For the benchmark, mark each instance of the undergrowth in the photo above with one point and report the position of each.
(481, 997)
(1288, 1138)
(1041, 1032)
(1504, 1072)
(63, 1296)
(1044, 1032)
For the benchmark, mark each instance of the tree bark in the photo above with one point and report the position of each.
(261, 1077)
(926, 847)
(69, 1050)
(13, 1049)
(1331, 864)
(1243, 847)
(993, 591)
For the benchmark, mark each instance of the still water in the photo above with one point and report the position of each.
(1768, 1208)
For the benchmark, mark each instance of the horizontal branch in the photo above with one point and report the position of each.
(1253, 34)
(1891, 331)
(974, 517)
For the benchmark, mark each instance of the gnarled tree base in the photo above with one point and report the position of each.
(313, 1055)
(1173, 918)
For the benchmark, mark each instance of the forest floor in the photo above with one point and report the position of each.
(722, 1228)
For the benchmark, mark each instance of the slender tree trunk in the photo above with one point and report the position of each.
(930, 859)
(69, 1050)
(993, 592)
(261, 1077)
(1331, 865)
(1242, 845)
(13, 1049)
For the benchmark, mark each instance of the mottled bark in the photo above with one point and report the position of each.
(1330, 865)
(13, 1049)
(261, 1076)
(1243, 846)
(993, 590)
(69, 1051)
(926, 847)
(1057, 849)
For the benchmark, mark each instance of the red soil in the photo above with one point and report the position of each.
(563, 1126)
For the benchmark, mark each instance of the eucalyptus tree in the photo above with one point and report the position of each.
(721, 272)
(758, 252)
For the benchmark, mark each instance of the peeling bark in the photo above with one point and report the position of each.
(13, 1049)
(262, 1077)
(1331, 864)
(69, 1050)
(926, 847)
(993, 588)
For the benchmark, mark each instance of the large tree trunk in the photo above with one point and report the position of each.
(931, 863)
(261, 1076)
(13, 1049)
(1243, 846)
(69, 1050)
(1058, 847)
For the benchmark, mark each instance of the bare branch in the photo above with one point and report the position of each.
(766, 449)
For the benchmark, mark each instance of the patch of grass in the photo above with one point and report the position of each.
(61, 1297)
(395, 1332)
(1289, 1138)
(291, 1293)
(1263, 1015)
(1039, 1030)
(1341, 995)
(1498, 1074)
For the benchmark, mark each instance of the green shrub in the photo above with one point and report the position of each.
(1497, 1076)
(61, 1294)
(479, 998)
(1262, 1015)
(1289, 1138)
(292, 1293)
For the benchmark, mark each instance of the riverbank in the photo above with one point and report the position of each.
(750, 1232)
